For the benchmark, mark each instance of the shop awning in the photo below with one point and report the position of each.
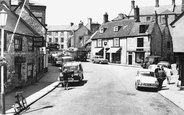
(113, 50)
(97, 50)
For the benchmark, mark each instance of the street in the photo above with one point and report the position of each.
(106, 90)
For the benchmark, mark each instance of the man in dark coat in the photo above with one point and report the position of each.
(160, 75)
(66, 74)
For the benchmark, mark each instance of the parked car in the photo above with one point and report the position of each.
(150, 60)
(146, 79)
(99, 59)
(77, 69)
(62, 60)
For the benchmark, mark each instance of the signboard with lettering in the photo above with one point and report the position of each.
(38, 42)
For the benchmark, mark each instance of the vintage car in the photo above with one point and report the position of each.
(62, 60)
(99, 59)
(146, 79)
(77, 69)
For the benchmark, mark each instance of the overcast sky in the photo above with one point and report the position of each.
(62, 12)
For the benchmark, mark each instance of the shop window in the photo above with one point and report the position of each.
(139, 56)
(18, 43)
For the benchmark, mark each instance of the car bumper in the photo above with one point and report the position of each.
(146, 85)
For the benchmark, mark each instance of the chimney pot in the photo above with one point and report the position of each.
(105, 17)
(133, 4)
(157, 3)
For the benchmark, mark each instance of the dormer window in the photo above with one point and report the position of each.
(101, 30)
(143, 28)
(116, 28)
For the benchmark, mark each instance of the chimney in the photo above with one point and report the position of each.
(166, 20)
(173, 2)
(105, 17)
(136, 14)
(182, 6)
(7, 2)
(133, 4)
(157, 3)
(89, 23)
(80, 24)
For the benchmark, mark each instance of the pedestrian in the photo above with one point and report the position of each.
(66, 74)
(169, 73)
(160, 75)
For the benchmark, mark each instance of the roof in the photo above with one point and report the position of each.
(128, 27)
(22, 27)
(33, 3)
(149, 10)
(125, 27)
(62, 27)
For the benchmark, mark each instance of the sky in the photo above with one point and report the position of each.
(63, 12)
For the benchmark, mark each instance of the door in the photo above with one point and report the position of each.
(130, 59)
(18, 76)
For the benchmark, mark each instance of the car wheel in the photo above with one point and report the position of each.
(136, 86)
(100, 62)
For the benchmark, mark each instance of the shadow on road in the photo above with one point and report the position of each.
(46, 107)
(74, 84)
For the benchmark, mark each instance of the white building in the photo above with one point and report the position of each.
(61, 34)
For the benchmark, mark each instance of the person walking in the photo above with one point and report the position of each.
(169, 73)
(66, 74)
(160, 75)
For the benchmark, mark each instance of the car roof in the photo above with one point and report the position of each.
(67, 57)
(71, 64)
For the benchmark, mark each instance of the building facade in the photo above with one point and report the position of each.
(61, 34)
(25, 60)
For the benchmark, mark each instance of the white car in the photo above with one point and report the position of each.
(145, 78)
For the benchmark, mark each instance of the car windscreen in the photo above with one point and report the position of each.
(74, 68)
(147, 74)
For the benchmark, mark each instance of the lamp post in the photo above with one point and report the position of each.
(105, 44)
(3, 19)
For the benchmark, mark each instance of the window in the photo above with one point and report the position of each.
(56, 40)
(56, 34)
(148, 19)
(168, 45)
(50, 39)
(116, 29)
(143, 28)
(139, 56)
(49, 33)
(99, 43)
(116, 42)
(62, 46)
(62, 39)
(140, 42)
(29, 71)
(18, 43)
(101, 30)
(30, 44)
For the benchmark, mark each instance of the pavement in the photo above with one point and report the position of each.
(169, 91)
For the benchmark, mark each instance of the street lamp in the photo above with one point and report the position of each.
(105, 44)
(3, 19)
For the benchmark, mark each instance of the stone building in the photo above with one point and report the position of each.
(23, 44)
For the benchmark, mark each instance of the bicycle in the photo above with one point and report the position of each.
(20, 103)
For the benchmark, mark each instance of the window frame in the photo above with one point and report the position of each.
(116, 42)
(99, 42)
(30, 45)
(138, 42)
(19, 45)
